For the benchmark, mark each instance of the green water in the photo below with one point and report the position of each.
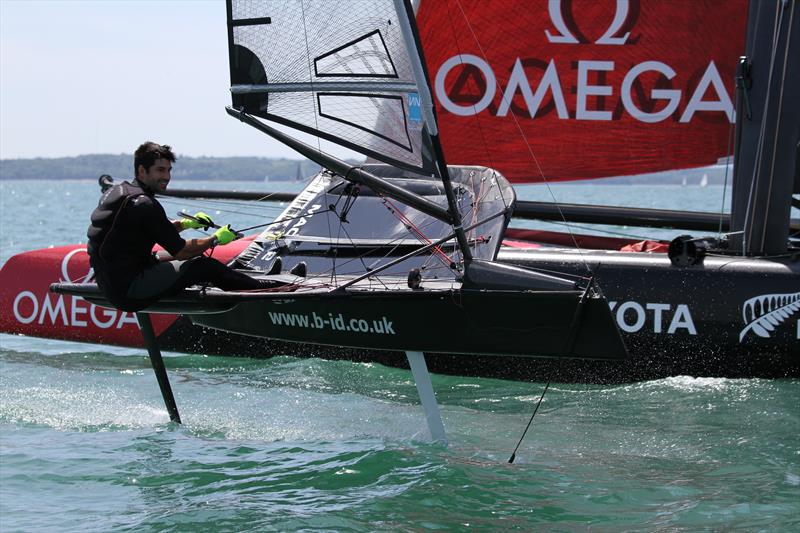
(310, 445)
(289, 444)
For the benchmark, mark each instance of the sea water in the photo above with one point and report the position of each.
(287, 444)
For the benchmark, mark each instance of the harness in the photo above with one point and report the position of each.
(104, 217)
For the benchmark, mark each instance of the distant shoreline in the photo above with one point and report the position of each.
(277, 170)
(120, 167)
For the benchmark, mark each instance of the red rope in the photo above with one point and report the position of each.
(414, 229)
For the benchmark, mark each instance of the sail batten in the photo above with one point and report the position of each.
(252, 22)
(325, 86)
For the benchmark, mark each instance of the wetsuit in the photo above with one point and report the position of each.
(126, 224)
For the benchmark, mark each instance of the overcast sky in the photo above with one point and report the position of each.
(102, 76)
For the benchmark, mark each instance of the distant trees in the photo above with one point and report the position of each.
(120, 167)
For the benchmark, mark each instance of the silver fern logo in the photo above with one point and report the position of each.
(762, 314)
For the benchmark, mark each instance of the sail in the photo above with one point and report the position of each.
(339, 230)
(583, 88)
(338, 70)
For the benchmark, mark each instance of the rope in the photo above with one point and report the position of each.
(416, 231)
(514, 453)
(527, 145)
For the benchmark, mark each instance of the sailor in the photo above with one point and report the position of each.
(129, 221)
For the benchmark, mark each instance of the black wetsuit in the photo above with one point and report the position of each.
(126, 224)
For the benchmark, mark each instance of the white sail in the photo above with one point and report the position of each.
(336, 69)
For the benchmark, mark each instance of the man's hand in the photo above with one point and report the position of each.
(225, 234)
(202, 221)
(195, 247)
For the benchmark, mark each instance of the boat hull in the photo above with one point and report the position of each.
(646, 284)
(694, 320)
(529, 323)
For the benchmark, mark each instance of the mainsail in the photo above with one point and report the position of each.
(338, 70)
(408, 234)
(352, 73)
(590, 88)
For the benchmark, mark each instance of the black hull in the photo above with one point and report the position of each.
(712, 293)
(654, 363)
(686, 320)
(664, 308)
(466, 322)
(674, 321)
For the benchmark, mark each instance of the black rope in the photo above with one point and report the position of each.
(350, 195)
(301, 215)
(514, 453)
(574, 327)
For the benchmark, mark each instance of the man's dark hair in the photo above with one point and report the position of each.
(147, 154)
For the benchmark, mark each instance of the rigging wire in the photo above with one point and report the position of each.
(361, 258)
(415, 230)
(725, 182)
(388, 254)
(728, 165)
(476, 115)
(279, 219)
(530, 421)
(211, 205)
(222, 204)
(226, 202)
(601, 230)
(525, 139)
(316, 119)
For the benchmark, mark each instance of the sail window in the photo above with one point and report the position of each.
(364, 113)
(366, 56)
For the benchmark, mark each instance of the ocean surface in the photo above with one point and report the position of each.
(291, 444)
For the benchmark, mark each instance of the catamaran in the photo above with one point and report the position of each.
(724, 305)
(400, 254)
(396, 255)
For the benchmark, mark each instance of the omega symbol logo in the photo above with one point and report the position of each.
(567, 28)
(65, 274)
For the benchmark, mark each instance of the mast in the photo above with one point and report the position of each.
(766, 163)
(411, 38)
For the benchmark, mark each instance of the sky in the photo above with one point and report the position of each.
(102, 76)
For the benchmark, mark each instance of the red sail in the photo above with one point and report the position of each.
(591, 88)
